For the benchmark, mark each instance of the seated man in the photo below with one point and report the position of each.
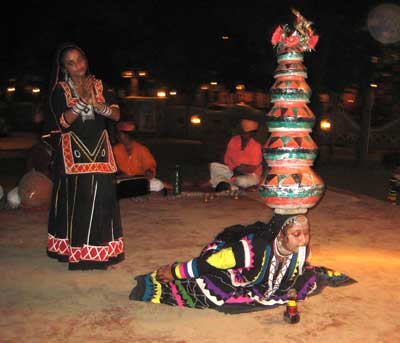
(133, 158)
(242, 161)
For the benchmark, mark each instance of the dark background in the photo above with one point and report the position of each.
(180, 43)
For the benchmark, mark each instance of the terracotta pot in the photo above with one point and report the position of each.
(290, 148)
(290, 90)
(290, 115)
(35, 190)
(290, 185)
(290, 69)
(291, 188)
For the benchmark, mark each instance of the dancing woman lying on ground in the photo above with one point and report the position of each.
(243, 269)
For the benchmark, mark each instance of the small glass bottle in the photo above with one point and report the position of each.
(291, 314)
(178, 180)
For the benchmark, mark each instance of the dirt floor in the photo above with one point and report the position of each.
(41, 301)
(354, 230)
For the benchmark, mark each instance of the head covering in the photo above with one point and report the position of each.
(243, 111)
(298, 220)
(277, 223)
(267, 231)
(57, 74)
(126, 126)
(57, 69)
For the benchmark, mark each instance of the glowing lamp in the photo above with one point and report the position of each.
(325, 125)
(11, 89)
(161, 94)
(127, 74)
(195, 119)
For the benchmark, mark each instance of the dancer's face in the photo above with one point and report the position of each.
(75, 63)
(297, 235)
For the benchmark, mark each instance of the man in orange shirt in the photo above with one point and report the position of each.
(242, 161)
(133, 158)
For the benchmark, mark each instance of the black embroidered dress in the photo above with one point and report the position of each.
(84, 225)
(239, 275)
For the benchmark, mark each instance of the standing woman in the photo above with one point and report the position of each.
(84, 227)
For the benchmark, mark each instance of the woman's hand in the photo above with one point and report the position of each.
(88, 90)
(93, 100)
(164, 274)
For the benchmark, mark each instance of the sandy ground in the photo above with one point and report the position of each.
(41, 301)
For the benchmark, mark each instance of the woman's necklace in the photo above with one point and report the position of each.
(278, 269)
(76, 88)
(279, 265)
(280, 251)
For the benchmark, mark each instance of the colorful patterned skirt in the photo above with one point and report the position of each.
(205, 292)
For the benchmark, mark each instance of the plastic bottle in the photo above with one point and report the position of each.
(178, 180)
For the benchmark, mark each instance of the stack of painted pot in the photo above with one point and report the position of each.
(291, 186)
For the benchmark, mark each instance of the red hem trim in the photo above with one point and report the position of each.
(86, 252)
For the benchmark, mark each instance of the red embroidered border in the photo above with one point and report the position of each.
(98, 85)
(63, 122)
(82, 168)
(68, 95)
(86, 252)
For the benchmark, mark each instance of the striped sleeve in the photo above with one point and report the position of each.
(248, 252)
(185, 270)
(236, 255)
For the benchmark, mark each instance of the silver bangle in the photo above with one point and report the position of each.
(104, 110)
(80, 107)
